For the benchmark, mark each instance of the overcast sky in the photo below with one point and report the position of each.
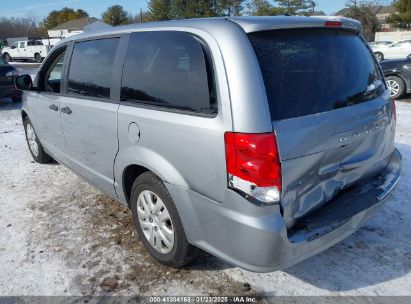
(40, 8)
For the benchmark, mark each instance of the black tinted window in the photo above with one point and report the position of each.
(167, 69)
(312, 71)
(91, 67)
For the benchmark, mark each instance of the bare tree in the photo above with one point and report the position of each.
(364, 11)
(28, 26)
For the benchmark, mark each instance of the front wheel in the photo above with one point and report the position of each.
(379, 56)
(158, 223)
(396, 86)
(37, 58)
(35, 147)
(7, 57)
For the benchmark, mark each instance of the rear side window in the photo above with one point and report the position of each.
(312, 71)
(91, 67)
(168, 69)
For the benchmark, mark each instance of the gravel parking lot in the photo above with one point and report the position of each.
(60, 236)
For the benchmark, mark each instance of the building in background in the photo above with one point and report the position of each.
(76, 26)
(380, 11)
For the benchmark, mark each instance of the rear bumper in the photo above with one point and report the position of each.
(257, 239)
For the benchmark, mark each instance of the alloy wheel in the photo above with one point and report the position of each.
(31, 139)
(394, 87)
(155, 221)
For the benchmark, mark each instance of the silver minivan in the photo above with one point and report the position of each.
(262, 140)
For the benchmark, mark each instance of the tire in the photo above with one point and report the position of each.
(7, 57)
(37, 58)
(39, 155)
(148, 187)
(396, 86)
(379, 56)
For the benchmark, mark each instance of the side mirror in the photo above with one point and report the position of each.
(13, 47)
(23, 83)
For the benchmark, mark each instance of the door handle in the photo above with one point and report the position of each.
(66, 110)
(54, 107)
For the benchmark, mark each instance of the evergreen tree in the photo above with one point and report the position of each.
(115, 15)
(401, 18)
(292, 7)
(160, 10)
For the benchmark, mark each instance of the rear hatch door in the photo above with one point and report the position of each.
(330, 110)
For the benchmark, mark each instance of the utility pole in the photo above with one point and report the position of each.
(141, 15)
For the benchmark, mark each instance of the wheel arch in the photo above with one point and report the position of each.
(130, 174)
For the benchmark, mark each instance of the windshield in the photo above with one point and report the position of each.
(2, 61)
(312, 71)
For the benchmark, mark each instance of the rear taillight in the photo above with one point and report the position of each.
(253, 165)
(394, 109)
(333, 23)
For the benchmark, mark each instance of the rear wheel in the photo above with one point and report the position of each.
(7, 57)
(37, 58)
(158, 223)
(396, 86)
(379, 56)
(35, 147)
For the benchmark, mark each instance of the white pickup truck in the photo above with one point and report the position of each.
(25, 50)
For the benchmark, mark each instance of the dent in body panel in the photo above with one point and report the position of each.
(326, 153)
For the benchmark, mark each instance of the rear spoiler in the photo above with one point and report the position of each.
(256, 24)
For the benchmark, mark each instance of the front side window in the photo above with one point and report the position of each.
(21, 45)
(53, 76)
(168, 69)
(91, 67)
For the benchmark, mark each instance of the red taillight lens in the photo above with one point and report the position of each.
(333, 23)
(253, 164)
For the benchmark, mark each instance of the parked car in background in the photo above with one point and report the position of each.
(7, 75)
(26, 50)
(398, 76)
(380, 43)
(262, 140)
(397, 50)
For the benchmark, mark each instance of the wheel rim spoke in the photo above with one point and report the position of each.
(141, 213)
(166, 237)
(149, 200)
(164, 216)
(145, 225)
(157, 206)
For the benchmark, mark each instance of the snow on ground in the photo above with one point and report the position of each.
(60, 236)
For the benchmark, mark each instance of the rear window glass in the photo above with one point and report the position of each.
(312, 71)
